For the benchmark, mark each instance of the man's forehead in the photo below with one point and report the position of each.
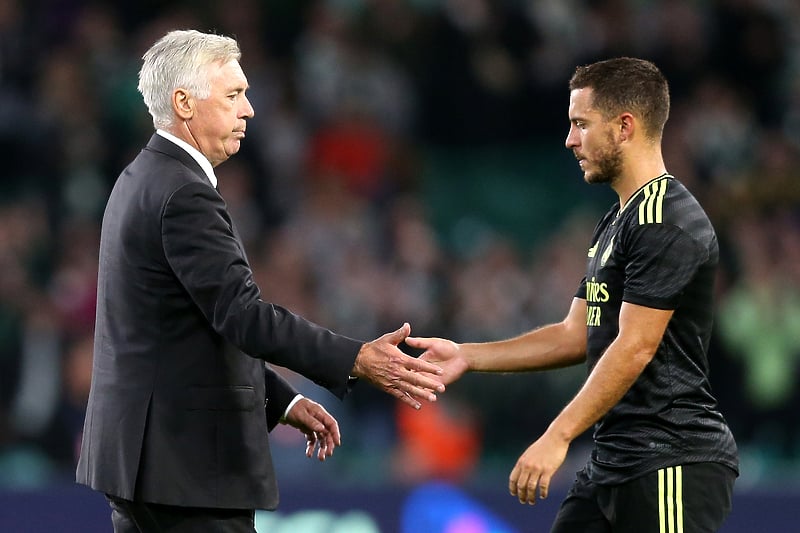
(582, 96)
(580, 101)
(229, 74)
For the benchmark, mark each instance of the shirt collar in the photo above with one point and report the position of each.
(204, 163)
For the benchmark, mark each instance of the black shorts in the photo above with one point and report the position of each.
(691, 498)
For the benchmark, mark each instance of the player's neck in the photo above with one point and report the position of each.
(638, 171)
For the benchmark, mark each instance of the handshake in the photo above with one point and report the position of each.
(381, 363)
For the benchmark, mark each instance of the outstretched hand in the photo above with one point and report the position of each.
(406, 378)
(319, 427)
(444, 353)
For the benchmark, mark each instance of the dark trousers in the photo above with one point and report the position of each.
(138, 517)
(692, 498)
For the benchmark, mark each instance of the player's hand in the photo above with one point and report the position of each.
(535, 468)
(444, 353)
(407, 378)
(319, 427)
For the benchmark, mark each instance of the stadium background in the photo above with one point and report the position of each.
(406, 162)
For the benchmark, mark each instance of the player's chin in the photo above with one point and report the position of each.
(595, 178)
(587, 173)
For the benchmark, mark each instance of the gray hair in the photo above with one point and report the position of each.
(180, 59)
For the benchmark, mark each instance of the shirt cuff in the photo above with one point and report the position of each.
(289, 407)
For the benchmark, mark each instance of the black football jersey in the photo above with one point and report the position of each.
(658, 251)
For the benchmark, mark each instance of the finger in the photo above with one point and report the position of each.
(311, 443)
(422, 366)
(513, 480)
(419, 342)
(522, 485)
(419, 393)
(328, 447)
(544, 487)
(404, 397)
(530, 490)
(526, 487)
(323, 448)
(423, 380)
(331, 427)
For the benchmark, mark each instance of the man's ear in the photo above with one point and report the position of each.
(627, 126)
(183, 104)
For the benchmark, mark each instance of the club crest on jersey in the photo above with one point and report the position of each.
(607, 252)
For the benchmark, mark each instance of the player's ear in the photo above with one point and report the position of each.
(627, 125)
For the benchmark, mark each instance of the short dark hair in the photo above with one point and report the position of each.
(627, 84)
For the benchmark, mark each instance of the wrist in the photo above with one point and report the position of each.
(560, 431)
(294, 401)
(468, 353)
(357, 371)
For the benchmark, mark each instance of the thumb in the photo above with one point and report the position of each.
(399, 335)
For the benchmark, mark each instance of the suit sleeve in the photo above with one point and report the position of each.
(280, 393)
(209, 260)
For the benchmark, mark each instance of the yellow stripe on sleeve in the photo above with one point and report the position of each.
(644, 204)
(651, 210)
(662, 191)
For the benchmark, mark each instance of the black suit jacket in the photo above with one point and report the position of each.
(176, 412)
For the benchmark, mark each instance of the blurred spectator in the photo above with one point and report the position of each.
(440, 443)
(759, 319)
(751, 51)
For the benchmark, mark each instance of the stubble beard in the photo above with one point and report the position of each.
(609, 164)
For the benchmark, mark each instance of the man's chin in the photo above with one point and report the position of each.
(591, 178)
(232, 148)
(596, 179)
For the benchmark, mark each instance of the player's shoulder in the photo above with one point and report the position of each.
(665, 200)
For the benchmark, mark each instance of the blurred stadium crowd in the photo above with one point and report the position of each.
(335, 194)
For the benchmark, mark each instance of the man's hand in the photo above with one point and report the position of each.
(319, 427)
(407, 378)
(444, 353)
(535, 468)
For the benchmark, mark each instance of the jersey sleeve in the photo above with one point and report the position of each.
(662, 260)
(581, 292)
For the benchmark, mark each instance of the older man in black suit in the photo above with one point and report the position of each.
(175, 432)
